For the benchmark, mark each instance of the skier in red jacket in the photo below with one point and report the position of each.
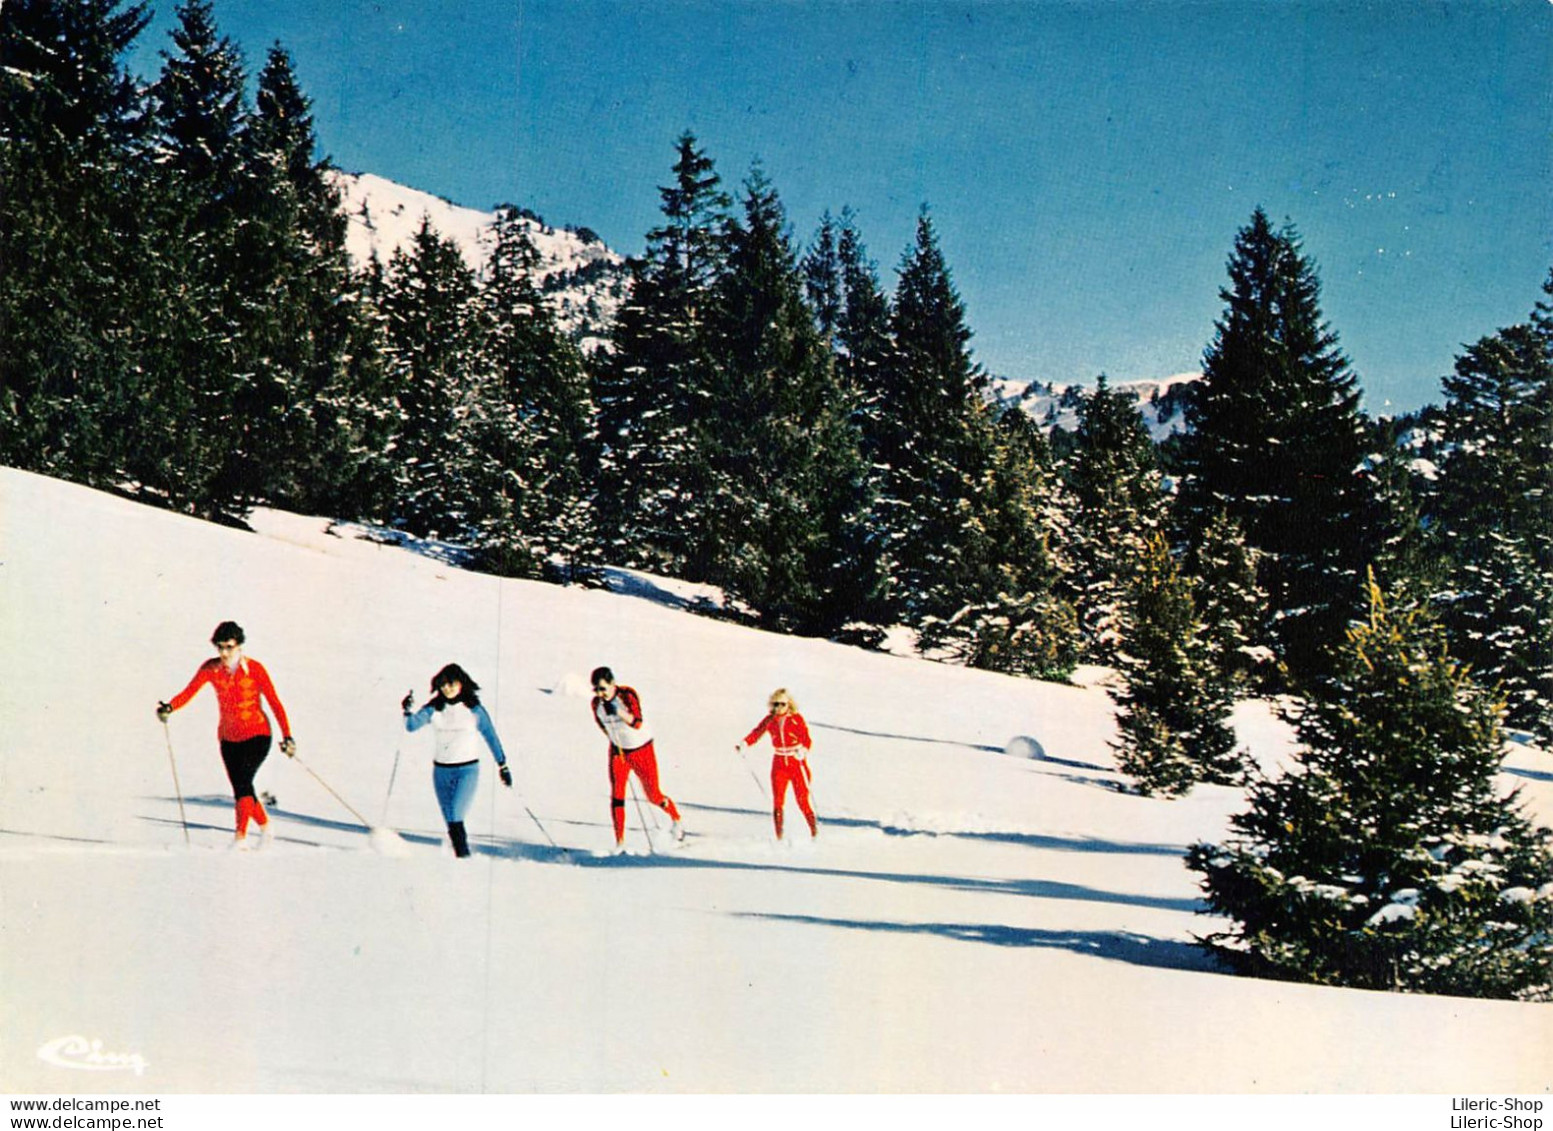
(617, 710)
(244, 729)
(789, 761)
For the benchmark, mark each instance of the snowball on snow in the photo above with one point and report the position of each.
(1023, 746)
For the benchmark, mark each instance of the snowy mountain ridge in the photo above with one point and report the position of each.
(583, 278)
(1054, 405)
(586, 281)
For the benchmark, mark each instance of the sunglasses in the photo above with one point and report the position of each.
(779, 703)
(599, 688)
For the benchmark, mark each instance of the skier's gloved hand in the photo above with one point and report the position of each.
(163, 712)
(506, 775)
(407, 704)
(609, 707)
(288, 746)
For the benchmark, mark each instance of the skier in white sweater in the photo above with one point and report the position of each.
(460, 723)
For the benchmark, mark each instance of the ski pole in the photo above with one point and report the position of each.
(392, 775)
(178, 789)
(331, 789)
(640, 815)
(751, 769)
(541, 828)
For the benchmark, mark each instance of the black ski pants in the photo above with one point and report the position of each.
(242, 760)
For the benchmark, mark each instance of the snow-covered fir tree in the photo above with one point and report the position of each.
(653, 386)
(785, 518)
(933, 447)
(1277, 441)
(1494, 519)
(821, 269)
(1174, 703)
(1014, 617)
(1117, 504)
(440, 375)
(76, 293)
(1229, 603)
(318, 431)
(208, 365)
(1388, 858)
(545, 523)
(863, 335)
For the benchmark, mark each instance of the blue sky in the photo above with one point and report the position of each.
(1087, 164)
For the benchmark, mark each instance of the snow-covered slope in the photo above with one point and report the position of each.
(968, 921)
(1052, 405)
(585, 279)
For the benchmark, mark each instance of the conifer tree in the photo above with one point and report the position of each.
(313, 398)
(72, 243)
(653, 386)
(785, 521)
(1173, 707)
(1277, 442)
(1494, 519)
(863, 332)
(822, 278)
(200, 109)
(1013, 617)
(1229, 604)
(933, 447)
(543, 448)
(207, 375)
(1388, 858)
(960, 510)
(436, 337)
(1118, 503)
(863, 348)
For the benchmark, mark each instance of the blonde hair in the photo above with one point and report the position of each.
(792, 704)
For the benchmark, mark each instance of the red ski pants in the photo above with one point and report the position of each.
(785, 770)
(249, 808)
(643, 762)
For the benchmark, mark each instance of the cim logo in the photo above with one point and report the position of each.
(88, 1056)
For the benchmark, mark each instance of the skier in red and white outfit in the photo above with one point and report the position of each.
(244, 730)
(618, 711)
(789, 761)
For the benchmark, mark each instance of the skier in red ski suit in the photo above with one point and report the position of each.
(617, 710)
(244, 729)
(789, 761)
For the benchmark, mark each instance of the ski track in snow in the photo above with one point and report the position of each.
(967, 921)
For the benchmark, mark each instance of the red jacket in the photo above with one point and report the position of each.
(238, 693)
(788, 733)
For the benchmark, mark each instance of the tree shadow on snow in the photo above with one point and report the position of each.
(1027, 840)
(1077, 844)
(908, 737)
(1047, 758)
(1027, 888)
(53, 836)
(1121, 946)
(1532, 775)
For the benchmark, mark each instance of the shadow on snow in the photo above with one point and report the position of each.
(1122, 946)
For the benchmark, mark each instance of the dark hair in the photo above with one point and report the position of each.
(467, 687)
(601, 673)
(227, 630)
